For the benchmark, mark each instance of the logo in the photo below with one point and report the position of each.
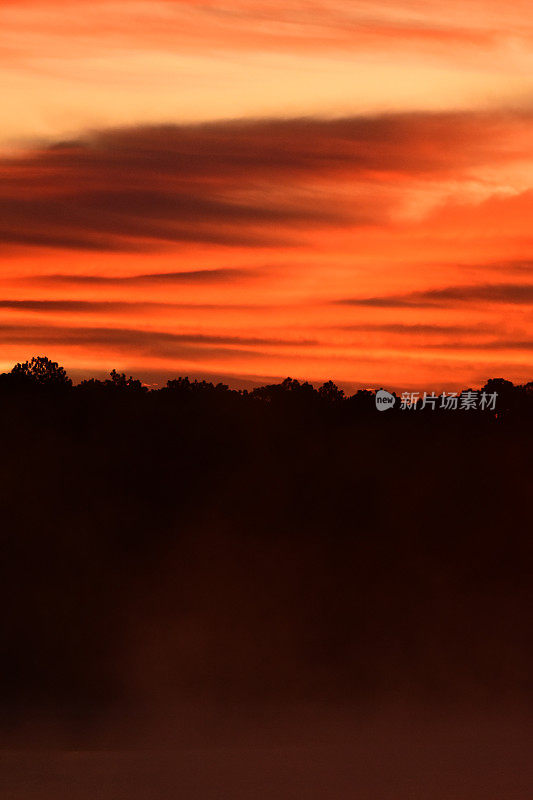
(384, 400)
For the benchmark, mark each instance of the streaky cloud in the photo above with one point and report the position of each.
(141, 340)
(198, 276)
(508, 293)
(244, 182)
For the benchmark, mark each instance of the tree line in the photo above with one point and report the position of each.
(500, 396)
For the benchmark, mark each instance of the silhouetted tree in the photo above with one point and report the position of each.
(118, 380)
(41, 371)
(331, 393)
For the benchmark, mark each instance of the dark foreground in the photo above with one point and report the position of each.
(209, 594)
(488, 760)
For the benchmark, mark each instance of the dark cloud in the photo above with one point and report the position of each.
(413, 329)
(508, 293)
(91, 306)
(421, 143)
(119, 306)
(228, 183)
(503, 265)
(493, 344)
(199, 276)
(139, 220)
(154, 343)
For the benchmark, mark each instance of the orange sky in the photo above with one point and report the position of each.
(251, 190)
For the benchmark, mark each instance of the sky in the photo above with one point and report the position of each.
(245, 191)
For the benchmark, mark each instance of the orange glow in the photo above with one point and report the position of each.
(254, 190)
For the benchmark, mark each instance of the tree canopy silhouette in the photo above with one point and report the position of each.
(41, 371)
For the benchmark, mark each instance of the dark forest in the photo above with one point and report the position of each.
(183, 554)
